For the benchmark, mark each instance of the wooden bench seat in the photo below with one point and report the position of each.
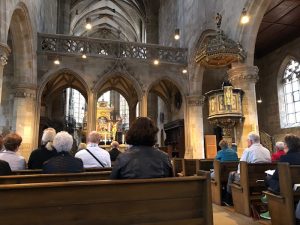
(282, 207)
(162, 201)
(39, 178)
(251, 185)
(221, 172)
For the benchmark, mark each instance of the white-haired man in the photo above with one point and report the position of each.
(44, 152)
(63, 162)
(93, 155)
(279, 151)
(255, 153)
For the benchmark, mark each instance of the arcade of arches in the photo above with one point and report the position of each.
(113, 63)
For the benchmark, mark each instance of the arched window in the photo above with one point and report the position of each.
(291, 95)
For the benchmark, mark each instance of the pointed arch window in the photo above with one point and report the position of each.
(291, 94)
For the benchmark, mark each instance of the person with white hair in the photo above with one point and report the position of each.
(44, 152)
(279, 151)
(255, 153)
(63, 162)
(94, 156)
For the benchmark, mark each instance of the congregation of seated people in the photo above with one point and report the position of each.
(140, 160)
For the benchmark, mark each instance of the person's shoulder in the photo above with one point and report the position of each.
(81, 152)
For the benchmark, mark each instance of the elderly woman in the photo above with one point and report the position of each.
(142, 160)
(63, 162)
(292, 147)
(44, 152)
(12, 143)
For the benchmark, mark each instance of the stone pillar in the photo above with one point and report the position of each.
(194, 145)
(132, 113)
(91, 112)
(24, 116)
(245, 77)
(4, 52)
(143, 105)
(152, 107)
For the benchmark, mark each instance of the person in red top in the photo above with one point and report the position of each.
(279, 146)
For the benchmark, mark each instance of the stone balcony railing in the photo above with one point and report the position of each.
(74, 45)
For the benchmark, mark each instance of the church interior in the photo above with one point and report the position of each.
(202, 70)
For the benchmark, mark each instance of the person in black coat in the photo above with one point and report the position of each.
(4, 168)
(292, 146)
(63, 162)
(142, 160)
(114, 152)
(44, 152)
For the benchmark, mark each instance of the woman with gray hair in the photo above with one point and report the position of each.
(63, 162)
(44, 152)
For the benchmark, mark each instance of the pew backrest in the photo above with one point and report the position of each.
(222, 170)
(178, 200)
(39, 178)
(252, 176)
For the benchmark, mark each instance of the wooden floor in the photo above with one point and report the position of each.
(226, 216)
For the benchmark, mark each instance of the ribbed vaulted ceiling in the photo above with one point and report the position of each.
(111, 19)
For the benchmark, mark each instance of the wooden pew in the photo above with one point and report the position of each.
(161, 201)
(251, 185)
(178, 166)
(221, 173)
(281, 206)
(40, 178)
(38, 171)
(206, 164)
(191, 166)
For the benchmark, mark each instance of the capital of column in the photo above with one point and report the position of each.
(243, 73)
(25, 91)
(4, 52)
(195, 100)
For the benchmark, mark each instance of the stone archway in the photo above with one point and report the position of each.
(53, 95)
(19, 81)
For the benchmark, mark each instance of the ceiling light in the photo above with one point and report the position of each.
(56, 62)
(83, 56)
(156, 62)
(259, 100)
(88, 24)
(245, 18)
(177, 34)
(184, 71)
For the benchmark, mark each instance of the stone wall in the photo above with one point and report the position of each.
(43, 15)
(267, 89)
(193, 17)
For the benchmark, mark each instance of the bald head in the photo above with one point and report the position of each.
(115, 144)
(94, 137)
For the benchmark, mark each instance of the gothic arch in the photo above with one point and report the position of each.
(23, 45)
(123, 74)
(280, 89)
(80, 84)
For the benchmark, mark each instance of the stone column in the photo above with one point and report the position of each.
(132, 113)
(194, 145)
(152, 107)
(245, 77)
(4, 52)
(24, 116)
(143, 105)
(91, 112)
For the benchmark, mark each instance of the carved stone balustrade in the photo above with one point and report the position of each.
(74, 45)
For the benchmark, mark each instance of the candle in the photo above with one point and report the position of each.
(123, 138)
(105, 140)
